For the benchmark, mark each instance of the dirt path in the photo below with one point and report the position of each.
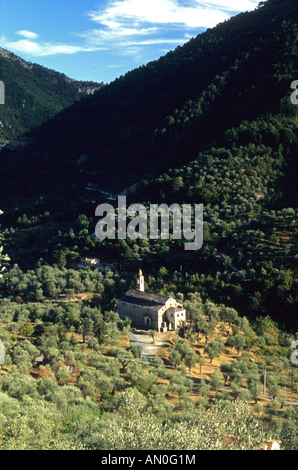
(149, 348)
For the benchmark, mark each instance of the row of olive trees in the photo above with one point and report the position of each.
(50, 282)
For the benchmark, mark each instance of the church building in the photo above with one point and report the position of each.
(150, 311)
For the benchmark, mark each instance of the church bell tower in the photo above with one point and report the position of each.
(141, 282)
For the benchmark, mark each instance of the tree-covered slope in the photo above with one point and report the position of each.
(248, 187)
(33, 94)
(212, 123)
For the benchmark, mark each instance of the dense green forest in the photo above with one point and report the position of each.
(34, 94)
(210, 123)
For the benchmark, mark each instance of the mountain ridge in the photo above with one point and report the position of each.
(34, 94)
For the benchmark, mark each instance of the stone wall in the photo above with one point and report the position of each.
(140, 316)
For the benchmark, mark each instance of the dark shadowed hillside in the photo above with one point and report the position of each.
(160, 115)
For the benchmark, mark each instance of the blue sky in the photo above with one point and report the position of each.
(100, 40)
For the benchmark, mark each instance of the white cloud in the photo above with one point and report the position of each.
(231, 5)
(27, 34)
(33, 48)
(123, 19)
(158, 12)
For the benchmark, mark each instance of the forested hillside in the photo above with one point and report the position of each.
(159, 116)
(216, 116)
(249, 190)
(34, 94)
